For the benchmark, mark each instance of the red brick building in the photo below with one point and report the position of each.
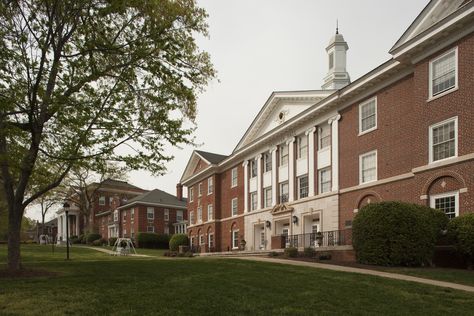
(311, 159)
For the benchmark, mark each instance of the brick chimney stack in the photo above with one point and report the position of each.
(179, 191)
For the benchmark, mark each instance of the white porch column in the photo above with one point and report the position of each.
(291, 168)
(64, 227)
(311, 171)
(60, 228)
(335, 151)
(77, 225)
(273, 151)
(246, 185)
(258, 160)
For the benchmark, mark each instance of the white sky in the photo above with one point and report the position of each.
(268, 45)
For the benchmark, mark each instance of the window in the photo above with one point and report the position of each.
(268, 196)
(179, 216)
(210, 186)
(150, 229)
(324, 136)
(191, 194)
(102, 200)
(132, 214)
(253, 168)
(234, 177)
(443, 73)
(447, 202)
(199, 214)
(368, 167)
(132, 232)
(124, 217)
(210, 212)
(284, 192)
(302, 143)
(210, 240)
(167, 214)
(368, 116)
(235, 239)
(111, 200)
(124, 232)
(200, 189)
(191, 217)
(283, 155)
(150, 213)
(253, 201)
(267, 162)
(234, 206)
(116, 216)
(166, 230)
(201, 239)
(303, 187)
(443, 140)
(331, 60)
(325, 180)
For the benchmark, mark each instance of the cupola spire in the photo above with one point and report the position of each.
(337, 76)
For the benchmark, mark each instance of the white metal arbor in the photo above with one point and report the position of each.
(123, 247)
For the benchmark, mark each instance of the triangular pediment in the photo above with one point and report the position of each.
(279, 109)
(195, 164)
(434, 12)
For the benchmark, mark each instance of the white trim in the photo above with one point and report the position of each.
(360, 166)
(374, 99)
(447, 194)
(378, 182)
(126, 206)
(444, 163)
(235, 231)
(430, 75)
(430, 141)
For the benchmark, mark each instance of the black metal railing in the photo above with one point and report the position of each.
(321, 239)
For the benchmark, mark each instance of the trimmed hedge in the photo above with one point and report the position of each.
(178, 240)
(291, 252)
(152, 240)
(90, 238)
(461, 234)
(396, 233)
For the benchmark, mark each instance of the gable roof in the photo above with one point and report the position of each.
(211, 158)
(119, 183)
(156, 197)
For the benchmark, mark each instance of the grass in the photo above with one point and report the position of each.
(141, 251)
(460, 276)
(96, 283)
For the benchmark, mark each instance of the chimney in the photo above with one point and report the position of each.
(179, 191)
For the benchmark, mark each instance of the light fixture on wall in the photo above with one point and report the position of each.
(268, 224)
(295, 219)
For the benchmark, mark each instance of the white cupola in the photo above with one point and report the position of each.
(337, 76)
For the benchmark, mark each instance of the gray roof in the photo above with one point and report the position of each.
(211, 157)
(157, 197)
(119, 183)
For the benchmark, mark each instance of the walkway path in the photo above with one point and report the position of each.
(389, 275)
(110, 252)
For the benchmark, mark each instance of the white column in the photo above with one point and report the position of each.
(60, 228)
(335, 151)
(77, 225)
(273, 151)
(291, 168)
(311, 171)
(246, 185)
(258, 160)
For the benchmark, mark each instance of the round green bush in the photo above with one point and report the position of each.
(396, 233)
(152, 240)
(461, 234)
(178, 240)
(90, 238)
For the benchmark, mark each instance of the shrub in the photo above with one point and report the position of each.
(178, 240)
(291, 252)
(74, 240)
(309, 252)
(396, 233)
(80, 238)
(112, 241)
(461, 234)
(90, 238)
(152, 240)
(97, 242)
(325, 256)
(273, 254)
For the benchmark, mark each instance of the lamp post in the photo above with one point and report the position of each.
(66, 210)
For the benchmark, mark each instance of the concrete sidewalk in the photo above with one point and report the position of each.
(382, 274)
(110, 252)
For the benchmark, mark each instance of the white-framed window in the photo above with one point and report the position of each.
(201, 239)
(102, 200)
(324, 136)
(283, 154)
(324, 180)
(167, 214)
(234, 207)
(234, 177)
(179, 216)
(447, 202)
(253, 201)
(166, 230)
(210, 185)
(199, 214)
(111, 200)
(150, 229)
(116, 216)
(284, 192)
(132, 214)
(124, 216)
(267, 162)
(132, 232)
(368, 116)
(253, 168)
(124, 232)
(368, 167)
(200, 189)
(191, 194)
(268, 196)
(443, 138)
(210, 212)
(150, 213)
(302, 186)
(443, 73)
(210, 240)
(302, 145)
(191, 217)
(235, 239)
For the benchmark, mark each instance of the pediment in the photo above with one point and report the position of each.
(281, 209)
(279, 109)
(195, 164)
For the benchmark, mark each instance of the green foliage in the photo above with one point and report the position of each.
(112, 241)
(153, 240)
(98, 242)
(461, 234)
(178, 240)
(90, 238)
(309, 252)
(80, 238)
(291, 252)
(396, 233)
(273, 254)
(324, 255)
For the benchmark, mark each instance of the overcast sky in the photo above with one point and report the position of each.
(269, 45)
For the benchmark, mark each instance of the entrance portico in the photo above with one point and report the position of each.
(74, 228)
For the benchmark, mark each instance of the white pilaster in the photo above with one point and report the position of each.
(311, 171)
(258, 160)
(291, 168)
(273, 151)
(335, 151)
(246, 185)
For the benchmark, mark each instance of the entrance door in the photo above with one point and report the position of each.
(262, 239)
(314, 230)
(285, 232)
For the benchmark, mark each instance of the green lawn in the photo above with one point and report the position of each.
(148, 252)
(96, 283)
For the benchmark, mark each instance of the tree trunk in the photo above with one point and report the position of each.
(14, 236)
